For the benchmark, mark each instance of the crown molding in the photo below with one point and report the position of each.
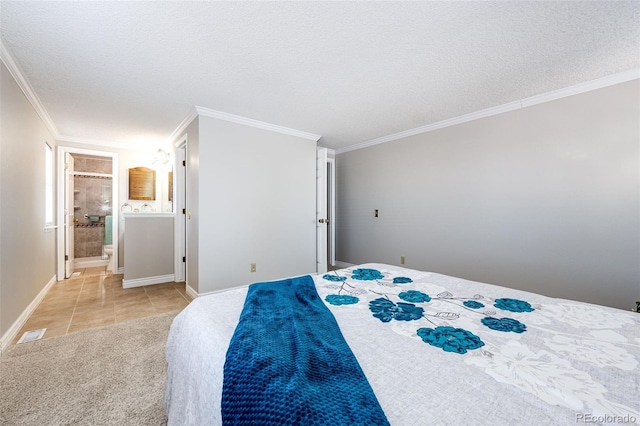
(12, 65)
(206, 112)
(588, 86)
(193, 113)
(104, 145)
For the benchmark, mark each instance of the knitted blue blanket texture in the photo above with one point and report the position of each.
(288, 363)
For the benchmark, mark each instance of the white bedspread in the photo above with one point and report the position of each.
(507, 357)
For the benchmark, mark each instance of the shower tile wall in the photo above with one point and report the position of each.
(92, 197)
(87, 241)
(90, 164)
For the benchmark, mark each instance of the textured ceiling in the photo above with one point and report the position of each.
(129, 72)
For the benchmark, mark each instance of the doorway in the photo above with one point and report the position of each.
(87, 196)
(325, 210)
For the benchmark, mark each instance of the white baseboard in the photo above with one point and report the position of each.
(139, 282)
(194, 294)
(191, 292)
(8, 337)
(343, 264)
(222, 289)
(90, 262)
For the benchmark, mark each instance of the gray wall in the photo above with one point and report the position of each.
(545, 199)
(148, 239)
(27, 252)
(255, 204)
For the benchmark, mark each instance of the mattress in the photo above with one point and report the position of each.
(437, 349)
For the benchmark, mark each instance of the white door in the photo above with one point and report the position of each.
(331, 211)
(321, 210)
(69, 214)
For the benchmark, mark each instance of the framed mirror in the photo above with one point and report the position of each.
(142, 183)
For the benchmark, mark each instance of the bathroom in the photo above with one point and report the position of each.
(93, 210)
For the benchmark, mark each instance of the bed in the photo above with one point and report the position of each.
(434, 349)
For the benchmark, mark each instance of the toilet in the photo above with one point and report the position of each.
(108, 250)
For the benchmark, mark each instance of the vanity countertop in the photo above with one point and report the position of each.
(137, 215)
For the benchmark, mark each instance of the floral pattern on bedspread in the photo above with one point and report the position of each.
(449, 339)
(572, 340)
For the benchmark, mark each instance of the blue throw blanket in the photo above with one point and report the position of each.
(288, 363)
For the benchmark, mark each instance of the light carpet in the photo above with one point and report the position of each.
(111, 375)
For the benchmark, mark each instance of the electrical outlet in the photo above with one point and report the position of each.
(253, 267)
(402, 260)
(375, 213)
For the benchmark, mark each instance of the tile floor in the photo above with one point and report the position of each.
(95, 298)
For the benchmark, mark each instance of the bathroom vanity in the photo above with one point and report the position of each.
(148, 249)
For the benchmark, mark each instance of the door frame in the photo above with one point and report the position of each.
(331, 211)
(180, 203)
(322, 230)
(69, 204)
(62, 150)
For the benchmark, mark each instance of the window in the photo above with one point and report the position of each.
(48, 190)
